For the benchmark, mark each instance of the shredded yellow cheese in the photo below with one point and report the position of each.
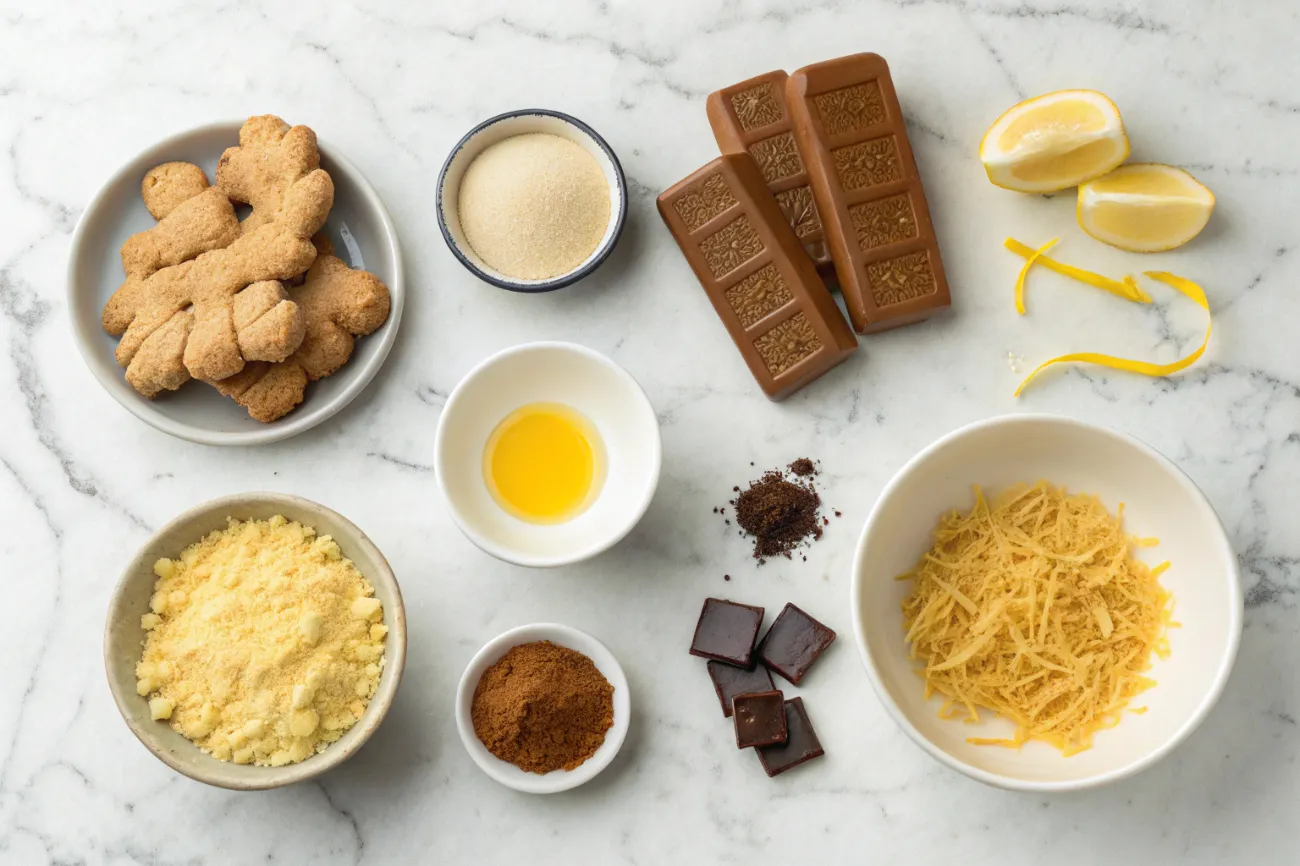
(1034, 607)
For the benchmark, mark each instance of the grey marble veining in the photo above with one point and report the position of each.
(1210, 86)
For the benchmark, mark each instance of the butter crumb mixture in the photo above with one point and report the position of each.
(264, 644)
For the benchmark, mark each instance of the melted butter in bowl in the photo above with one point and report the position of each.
(544, 463)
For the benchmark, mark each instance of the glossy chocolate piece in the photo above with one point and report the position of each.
(793, 643)
(751, 117)
(758, 277)
(853, 138)
(760, 719)
(801, 743)
(726, 632)
(729, 681)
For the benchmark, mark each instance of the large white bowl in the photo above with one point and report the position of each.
(556, 780)
(548, 373)
(363, 236)
(1159, 500)
(123, 638)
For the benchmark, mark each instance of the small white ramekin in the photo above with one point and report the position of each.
(556, 780)
(565, 373)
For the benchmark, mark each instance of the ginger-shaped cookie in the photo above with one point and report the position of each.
(339, 304)
(180, 320)
(271, 157)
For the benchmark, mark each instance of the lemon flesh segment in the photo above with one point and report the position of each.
(1144, 208)
(1054, 141)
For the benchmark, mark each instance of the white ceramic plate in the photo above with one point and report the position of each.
(363, 236)
(556, 780)
(123, 637)
(1159, 500)
(552, 373)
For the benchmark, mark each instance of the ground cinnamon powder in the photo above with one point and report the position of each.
(543, 707)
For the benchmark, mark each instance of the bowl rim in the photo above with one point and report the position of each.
(556, 780)
(510, 555)
(381, 701)
(302, 418)
(564, 279)
(1221, 675)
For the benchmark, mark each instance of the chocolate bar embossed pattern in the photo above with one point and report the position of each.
(851, 133)
(758, 277)
(752, 117)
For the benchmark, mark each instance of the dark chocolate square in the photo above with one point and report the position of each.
(726, 631)
(760, 719)
(800, 744)
(729, 681)
(793, 643)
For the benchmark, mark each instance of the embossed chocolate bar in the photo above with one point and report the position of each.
(755, 272)
(852, 136)
(751, 117)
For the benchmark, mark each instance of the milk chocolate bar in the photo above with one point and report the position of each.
(852, 136)
(751, 117)
(754, 270)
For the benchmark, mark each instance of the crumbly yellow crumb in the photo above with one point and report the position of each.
(264, 643)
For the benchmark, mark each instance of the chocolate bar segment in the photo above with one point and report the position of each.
(853, 138)
(754, 270)
(730, 681)
(759, 719)
(726, 631)
(793, 643)
(801, 743)
(751, 117)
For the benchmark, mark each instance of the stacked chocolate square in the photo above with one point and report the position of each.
(741, 667)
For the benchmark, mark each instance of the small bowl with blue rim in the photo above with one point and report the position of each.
(508, 125)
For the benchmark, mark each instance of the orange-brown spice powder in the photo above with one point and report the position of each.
(543, 707)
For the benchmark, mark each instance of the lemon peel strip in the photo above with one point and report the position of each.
(1128, 289)
(1024, 272)
(1146, 368)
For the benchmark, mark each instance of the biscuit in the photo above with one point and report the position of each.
(165, 187)
(271, 157)
(214, 347)
(339, 304)
(205, 222)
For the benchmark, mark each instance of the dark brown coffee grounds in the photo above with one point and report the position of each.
(543, 707)
(780, 514)
(803, 467)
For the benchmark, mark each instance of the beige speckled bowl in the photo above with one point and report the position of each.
(123, 638)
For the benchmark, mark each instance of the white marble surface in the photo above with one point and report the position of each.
(84, 86)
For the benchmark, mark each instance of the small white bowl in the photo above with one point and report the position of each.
(124, 637)
(508, 125)
(1159, 500)
(552, 373)
(556, 780)
(363, 236)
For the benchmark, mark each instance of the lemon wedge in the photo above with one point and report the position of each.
(1144, 207)
(1054, 141)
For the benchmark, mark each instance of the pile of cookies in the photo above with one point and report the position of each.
(256, 309)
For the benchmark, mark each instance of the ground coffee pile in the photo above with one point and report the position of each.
(781, 512)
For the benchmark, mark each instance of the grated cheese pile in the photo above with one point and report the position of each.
(1033, 606)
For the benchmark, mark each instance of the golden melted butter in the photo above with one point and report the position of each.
(544, 463)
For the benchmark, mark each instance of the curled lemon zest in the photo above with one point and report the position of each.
(1024, 272)
(1128, 289)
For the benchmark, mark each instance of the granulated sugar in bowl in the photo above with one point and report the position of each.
(534, 206)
